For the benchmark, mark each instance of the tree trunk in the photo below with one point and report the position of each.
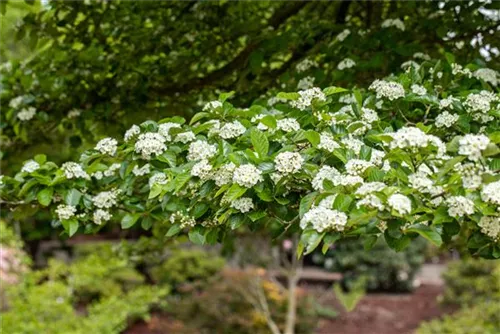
(293, 280)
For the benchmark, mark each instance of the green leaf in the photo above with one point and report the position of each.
(236, 221)
(72, 197)
(198, 116)
(491, 150)
(398, 244)
(40, 158)
(269, 121)
(306, 202)
(70, 226)
(311, 239)
(234, 192)
(199, 210)
(168, 157)
(129, 220)
(333, 90)
(45, 196)
(225, 96)
(173, 230)
(342, 202)
(181, 180)
(427, 233)
(256, 215)
(328, 241)
(259, 142)
(288, 96)
(197, 236)
(313, 137)
(155, 190)
(370, 242)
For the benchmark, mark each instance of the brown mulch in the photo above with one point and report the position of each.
(376, 313)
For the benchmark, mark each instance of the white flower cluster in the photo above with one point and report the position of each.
(370, 188)
(100, 216)
(132, 132)
(326, 142)
(446, 119)
(491, 193)
(107, 146)
(471, 174)
(164, 129)
(459, 206)
(357, 166)
(112, 169)
(185, 220)
(352, 143)
(232, 130)
(142, 170)
(447, 102)
(212, 105)
(414, 138)
(422, 183)
(400, 203)
(322, 219)
(200, 150)
(343, 35)
(457, 69)
(371, 201)
(157, 178)
(325, 173)
(306, 83)
(243, 204)
(72, 170)
(288, 124)
(346, 63)
(106, 199)
(65, 212)
(74, 113)
(305, 64)
(288, 162)
(487, 75)
(16, 102)
(306, 98)
(418, 90)
(369, 115)
(26, 114)
(491, 227)
(396, 23)
(202, 169)
(387, 89)
(479, 105)
(30, 166)
(185, 137)
(472, 145)
(150, 143)
(224, 174)
(247, 175)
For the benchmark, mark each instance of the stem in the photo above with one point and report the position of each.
(293, 280)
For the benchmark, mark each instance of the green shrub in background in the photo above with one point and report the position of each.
(383, 268)
(187, 266)
(471, 281)
(484, 318)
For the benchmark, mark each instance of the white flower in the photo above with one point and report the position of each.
(414, 138)
(325, 173)
(388, 89)
(132, 132)
(396, 23)
(480, 102)
(65, 212)
(369, 115)
(72, 170)
(106, 199)
(371, 201)
(472, 145)
(224, 175)
(370, 187)
(305, 65)
(74, 113)
(306, 98)
(288, 124)
(357, 166)
(100, 216)
(420, 181)
(16, 102)
(30, 166)
(352, 143)
(326, 142)
(346, 63)
(185, 220)
(446, 119)
(243, 204)
(418, 90)
(458, 69)
(164, 129)
(288, 162)
(491, 193)
(150, 143)
(322, 219)
(487, 75)
(400, 203)
(448, 102)
(185, 137)
(141, 171)
(471, 174)
(200, 150)
(459, 206)
(343, 35)
(107, 146)
(157, 178)
(247, 175)
(377, 157)
(490, 226)
(98, 175)
(202, 169)
(306, 83)
(112, 169)
(212, 105)
(26, 114)
(232, 130)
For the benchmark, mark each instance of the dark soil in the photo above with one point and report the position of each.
(375, 314)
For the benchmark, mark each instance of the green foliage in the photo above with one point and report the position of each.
(184, 266)
(483, 318)
(381, 267)
(234, 302)
(350, 299)
(8, 237)
(472, 281)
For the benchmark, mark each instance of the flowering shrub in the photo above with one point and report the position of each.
(321, 163)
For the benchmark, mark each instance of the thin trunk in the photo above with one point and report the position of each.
(293, 280)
